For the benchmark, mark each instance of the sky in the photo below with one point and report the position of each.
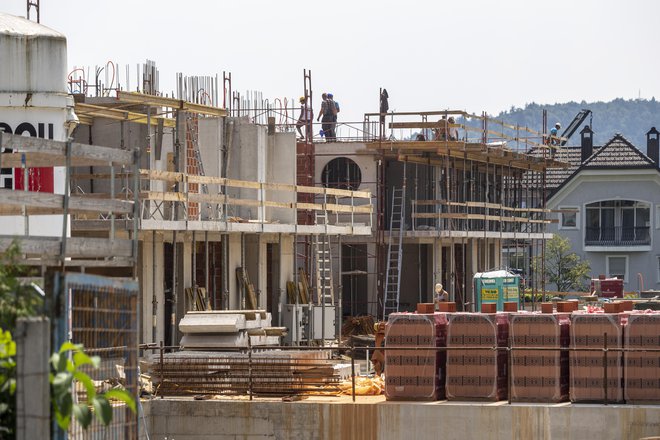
(479, 55)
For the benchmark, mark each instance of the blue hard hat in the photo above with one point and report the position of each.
(321, 133)
(330, 95)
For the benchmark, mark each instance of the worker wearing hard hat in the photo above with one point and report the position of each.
(554, 140)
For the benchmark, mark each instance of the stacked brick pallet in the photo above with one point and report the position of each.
(539, 375)
(477, 374)
(642, 369)
(415, 374)
(587, 368)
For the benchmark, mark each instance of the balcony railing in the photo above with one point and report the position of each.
(618, 236)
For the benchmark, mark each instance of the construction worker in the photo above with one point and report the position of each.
(305, 118)
(333, 109)
(554, 140)
(440, 295)
(326, 126)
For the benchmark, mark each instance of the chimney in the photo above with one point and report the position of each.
(587, 143)
(652, 149)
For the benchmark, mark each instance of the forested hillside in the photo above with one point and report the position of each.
(632, 118)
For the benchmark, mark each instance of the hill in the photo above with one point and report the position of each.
(632, 118)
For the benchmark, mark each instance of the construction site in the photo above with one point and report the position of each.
(244, 274)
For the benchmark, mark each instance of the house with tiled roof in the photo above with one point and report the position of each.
(608, 205)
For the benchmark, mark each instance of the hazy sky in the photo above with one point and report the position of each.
(430, 55)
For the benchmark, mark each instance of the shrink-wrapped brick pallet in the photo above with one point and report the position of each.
(539, 375)
(477, 374)
(642, 369)
(587, 372)
(415, 374)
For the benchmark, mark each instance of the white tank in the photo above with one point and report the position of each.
(33, 102)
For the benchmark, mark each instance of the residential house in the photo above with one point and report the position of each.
(609, 207)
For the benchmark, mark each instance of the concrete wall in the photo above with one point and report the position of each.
(233, 419)
(281, 168)
(355, 151)
(247, 161)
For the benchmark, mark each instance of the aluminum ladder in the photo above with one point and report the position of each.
(323, 261)
(394, 248)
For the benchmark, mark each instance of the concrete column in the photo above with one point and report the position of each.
(372, 280)
(233, 263)
(473, 246)
(152, 276)
(437, 262)
(32, 336)
(287, 248)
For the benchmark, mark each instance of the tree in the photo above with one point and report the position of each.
(16, 299)
(562, 267)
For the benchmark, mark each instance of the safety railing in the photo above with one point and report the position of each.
(254, 380)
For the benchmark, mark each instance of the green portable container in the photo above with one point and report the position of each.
(498, 286)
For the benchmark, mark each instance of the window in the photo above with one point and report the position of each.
(617, 223)
(342, 173)
(569, 217)
(617, 267)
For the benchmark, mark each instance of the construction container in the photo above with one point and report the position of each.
(587, 368)
(475, 370)
(642, 369)
(607, 287)
(539, 375)
(415, 374)
(496, 287)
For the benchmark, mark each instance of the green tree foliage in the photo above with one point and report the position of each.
(7, 385)
(562, 267)
(66, 365)
(16, 300)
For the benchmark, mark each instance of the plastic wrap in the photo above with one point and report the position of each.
(477, 374)
(539, 375)
(642, 369)
(587, 372)
(415, 374)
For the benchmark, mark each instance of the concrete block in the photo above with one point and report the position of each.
(212, 323)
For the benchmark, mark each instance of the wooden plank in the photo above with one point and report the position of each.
(83, 154)
(76, 203)
(163, 196)
(462, 216)
(421, 124)
(82, 247)
(161, 101)
(235, 183)
(121, 115)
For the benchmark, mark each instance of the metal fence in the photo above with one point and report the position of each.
(197, 375)
(101, 313)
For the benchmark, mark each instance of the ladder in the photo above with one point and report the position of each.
(200, 165)
(394, 248)
(323, 260)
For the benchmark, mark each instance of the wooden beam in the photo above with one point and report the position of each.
(82, 247)
(235, 183)
(178, 104)
(37, 148)
(120, 115)
(56, 201)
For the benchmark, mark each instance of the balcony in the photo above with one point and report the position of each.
(618, 236)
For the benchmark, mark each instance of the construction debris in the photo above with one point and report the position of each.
(364, 386)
